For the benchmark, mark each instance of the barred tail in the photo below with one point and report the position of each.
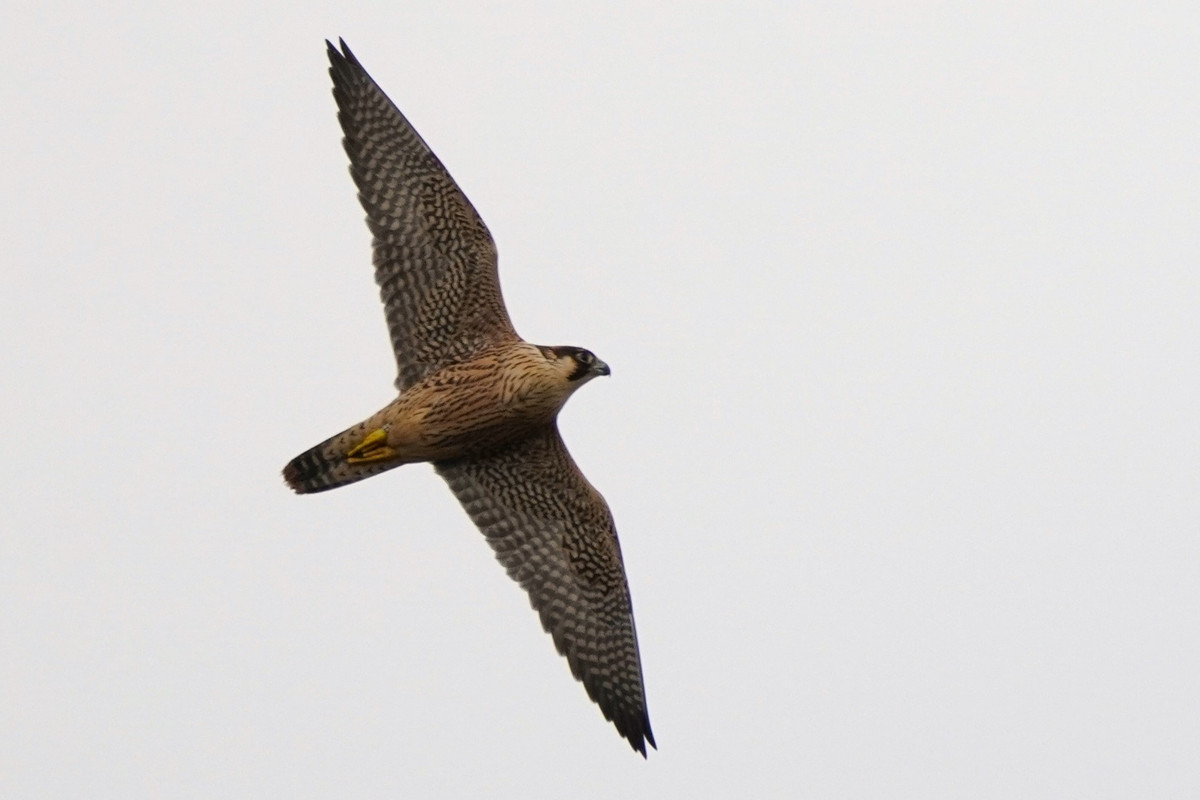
(325, 467)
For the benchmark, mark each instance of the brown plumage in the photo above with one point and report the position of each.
(479, 402)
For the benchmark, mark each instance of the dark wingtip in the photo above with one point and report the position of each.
(343, 56)
(336, 60)
(639, 736)
(640, 741)
(344, 67)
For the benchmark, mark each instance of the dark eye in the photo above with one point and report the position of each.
(584, 357)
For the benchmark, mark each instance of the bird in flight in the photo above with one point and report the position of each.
(479, 402)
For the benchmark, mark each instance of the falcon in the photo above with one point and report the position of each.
(479, 402)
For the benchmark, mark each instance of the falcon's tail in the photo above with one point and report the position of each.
(326, 466)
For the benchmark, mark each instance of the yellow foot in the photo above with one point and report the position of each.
(372, 448)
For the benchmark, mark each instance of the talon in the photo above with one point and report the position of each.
(372, 448)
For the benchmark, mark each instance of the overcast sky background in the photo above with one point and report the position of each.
(902, 303)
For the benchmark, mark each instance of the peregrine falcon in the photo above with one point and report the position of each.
(479, 402)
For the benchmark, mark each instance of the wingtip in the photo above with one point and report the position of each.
(336, 56)
(344, 68)
(640, 737)
(639, 746)
(341, 52)
(336, 59)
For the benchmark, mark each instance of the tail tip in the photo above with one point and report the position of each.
(300, 473)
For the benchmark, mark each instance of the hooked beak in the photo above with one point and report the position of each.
(600, 368)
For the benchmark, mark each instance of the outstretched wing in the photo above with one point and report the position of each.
(435, 261)
(554, 534)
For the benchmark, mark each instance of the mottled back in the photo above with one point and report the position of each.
(435, 261)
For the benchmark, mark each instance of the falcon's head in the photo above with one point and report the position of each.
(579, 365)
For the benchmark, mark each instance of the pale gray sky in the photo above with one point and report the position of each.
(902, 303)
